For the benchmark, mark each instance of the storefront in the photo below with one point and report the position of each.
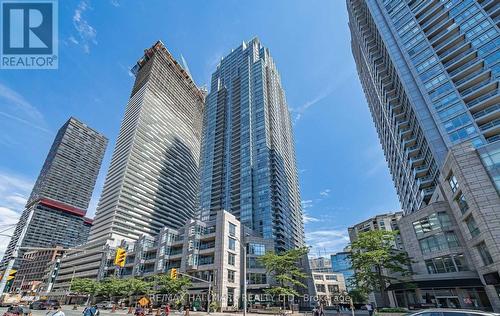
(455, 293)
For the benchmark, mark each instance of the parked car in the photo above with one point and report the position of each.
(452, 312)
(45, 304)
(105, 305)
(18, 311)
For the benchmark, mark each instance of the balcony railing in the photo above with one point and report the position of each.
(476, 86)
(463, 67)
(482, 98)
(458, 57)
(469, 76)
(486, 111)
(489, 125)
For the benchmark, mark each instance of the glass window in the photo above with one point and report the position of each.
(232, 229)
(318, 277)
(232, 243)
(230, 276)
(471, 224)
(484, 253)
(256, 249)
(231, 259)
(452, 180)
(462, 203)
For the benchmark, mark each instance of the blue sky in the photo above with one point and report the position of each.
(343, 175)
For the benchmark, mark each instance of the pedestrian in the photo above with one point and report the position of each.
(369, 308)
(186, 310)
(338, 310)
(167, 309)
(315, 311)
(58, 312)
(322, 310)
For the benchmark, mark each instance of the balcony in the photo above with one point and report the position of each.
(420, 171)
(458, 57)
(472, 74)
(491, 128)
(412, 151)
(416, 161)
(410, 142)
(483, 98)
(448, 40)
(489, 113)
(464, 66)
(476, 85)
(425, 182)
(427, 193)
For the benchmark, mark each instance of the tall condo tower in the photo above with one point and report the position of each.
(153, 178)
(248, 154)
(429, 70)
(62, 192)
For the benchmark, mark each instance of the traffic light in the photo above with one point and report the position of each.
(120, 257)
(173, 273)
(12, 275)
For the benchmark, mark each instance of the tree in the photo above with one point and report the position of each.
(178, 286)
(286, 271)
(377, 262)
(112, 287)
(135, 286)
(88, 287)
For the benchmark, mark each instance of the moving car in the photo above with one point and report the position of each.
(105, 305)
(18, 311)
(45, 304)
(452, 312)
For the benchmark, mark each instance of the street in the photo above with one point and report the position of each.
(68, 311)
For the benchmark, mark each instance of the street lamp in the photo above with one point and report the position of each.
(244, 247)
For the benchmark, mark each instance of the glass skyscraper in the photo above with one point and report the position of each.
(429, 70)
(248, 155)
(55, 211)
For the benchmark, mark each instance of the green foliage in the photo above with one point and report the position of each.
(166, 285)
(376, 261)
(358, 296)
(85, 286)
(285, 269)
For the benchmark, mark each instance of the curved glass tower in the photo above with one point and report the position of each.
(152, 181)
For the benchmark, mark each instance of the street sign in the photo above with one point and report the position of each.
(143, 301)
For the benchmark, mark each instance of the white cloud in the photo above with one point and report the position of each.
(298, 112)
(86, 32)
(115, 3)
(326, 241)
(375, 159)
(325, 192)
(307, 204)
(14, 190)
(16, 107)
(308, 218)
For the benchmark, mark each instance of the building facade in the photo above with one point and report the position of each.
(387, 222)
(212, 251)
(31, 275)
(454, 241)
(341, 263)
(429, 70)
(152, 181)
(248, 154)
(62, 191)
(329, 287)
(320, 264)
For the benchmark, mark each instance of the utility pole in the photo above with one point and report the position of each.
(209, 290)
(244, 279)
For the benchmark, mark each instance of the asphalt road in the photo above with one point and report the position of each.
(68, 311)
